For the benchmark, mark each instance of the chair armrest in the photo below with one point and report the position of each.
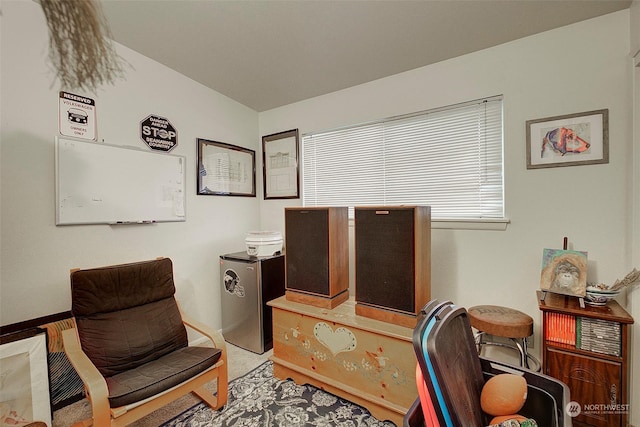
(94, 382)
(214, 335)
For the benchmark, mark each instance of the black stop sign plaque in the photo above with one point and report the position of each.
(158, 133)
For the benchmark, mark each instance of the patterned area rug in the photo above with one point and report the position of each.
(260, 399)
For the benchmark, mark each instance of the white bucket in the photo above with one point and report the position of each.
(263, 243)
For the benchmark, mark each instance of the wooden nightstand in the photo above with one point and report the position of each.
(592, 358)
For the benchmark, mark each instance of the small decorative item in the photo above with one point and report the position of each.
(631, 279)
(564, 272)
(77, 116)
(81, 49)
(280, 165)
(599, 296)
(225, 169)
(158, 133)
(570, 140)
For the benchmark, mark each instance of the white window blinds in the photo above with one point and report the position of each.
(450, 159)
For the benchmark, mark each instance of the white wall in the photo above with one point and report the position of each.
(635, 295)
(635, 26)
(36, 255)
(577, 68)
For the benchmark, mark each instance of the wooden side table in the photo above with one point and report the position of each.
(367, 361)
(587, 349)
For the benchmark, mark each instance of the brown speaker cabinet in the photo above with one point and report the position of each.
(593, 361)
(392, 262)
(317, 255)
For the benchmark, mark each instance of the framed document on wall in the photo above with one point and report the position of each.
(280, 165)
(225, 169)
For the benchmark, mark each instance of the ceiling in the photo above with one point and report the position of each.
(269, 53)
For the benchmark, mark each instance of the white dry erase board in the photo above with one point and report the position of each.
(97, 183)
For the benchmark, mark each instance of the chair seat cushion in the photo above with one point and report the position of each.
(161, 374)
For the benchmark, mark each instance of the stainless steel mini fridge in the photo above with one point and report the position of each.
(247, 284)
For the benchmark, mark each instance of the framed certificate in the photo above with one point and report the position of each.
(281, 175)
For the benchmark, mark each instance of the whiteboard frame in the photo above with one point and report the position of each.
(178, 204)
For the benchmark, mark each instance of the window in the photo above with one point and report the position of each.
(449, 158)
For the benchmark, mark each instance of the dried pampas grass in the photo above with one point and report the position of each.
(80, 47)
(631, 279)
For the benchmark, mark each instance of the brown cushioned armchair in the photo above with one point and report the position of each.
(130, 345)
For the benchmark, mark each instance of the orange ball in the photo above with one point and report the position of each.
(503, 394)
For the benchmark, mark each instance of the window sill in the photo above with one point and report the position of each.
(464, 224)
(467, 224)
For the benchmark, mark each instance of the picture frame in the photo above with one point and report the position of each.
(564, 272)
(225, 169)
(568, 140)
(24, 374)
(280, 165)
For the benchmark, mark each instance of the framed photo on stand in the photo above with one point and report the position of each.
(564, 272)
(281, 174)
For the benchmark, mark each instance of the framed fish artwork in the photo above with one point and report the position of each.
(569, 140)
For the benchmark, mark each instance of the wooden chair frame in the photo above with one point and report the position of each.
(97, 392)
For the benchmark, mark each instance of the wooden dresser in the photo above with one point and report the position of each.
(367, 361)
(588, 349)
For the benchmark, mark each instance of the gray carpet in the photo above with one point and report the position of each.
(260, 399)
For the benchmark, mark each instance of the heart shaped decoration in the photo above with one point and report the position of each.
(337, 341)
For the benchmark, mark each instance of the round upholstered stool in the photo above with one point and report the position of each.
(503, 322)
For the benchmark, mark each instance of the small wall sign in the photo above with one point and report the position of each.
(158, 133)
(77, 116)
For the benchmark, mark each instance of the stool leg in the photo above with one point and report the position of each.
(522, 349)
(478, 338)
(525, 355)
(520, 345)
